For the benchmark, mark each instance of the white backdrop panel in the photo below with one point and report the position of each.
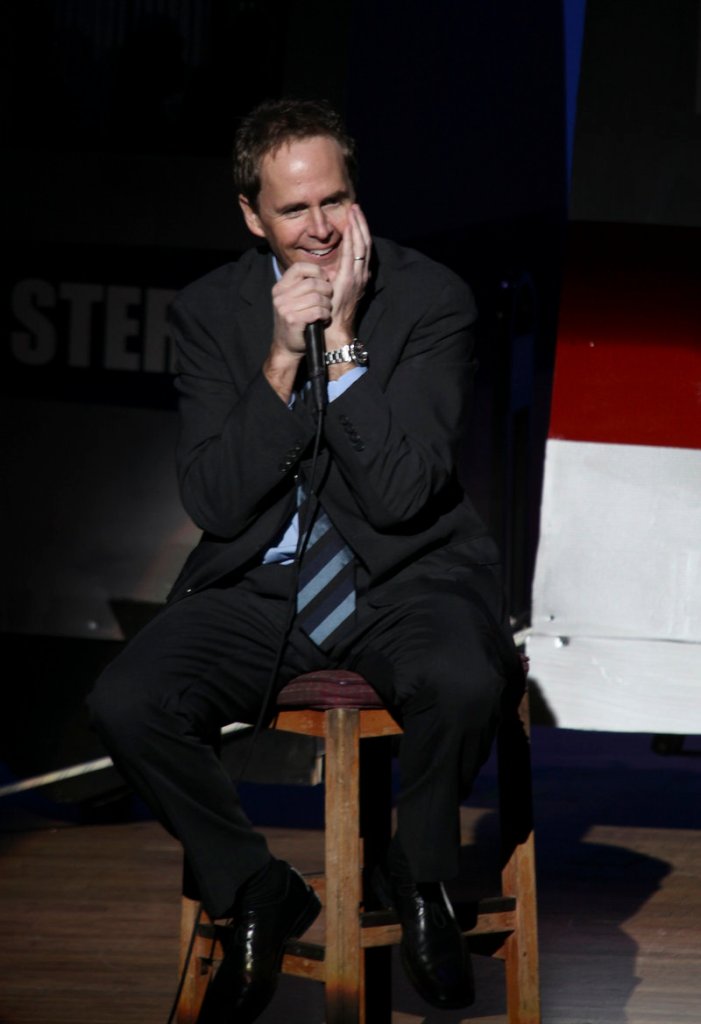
(620, 542)
(619, 685)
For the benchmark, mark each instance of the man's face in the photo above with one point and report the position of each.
(303, 203)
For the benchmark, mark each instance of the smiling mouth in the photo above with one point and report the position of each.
(320, 253)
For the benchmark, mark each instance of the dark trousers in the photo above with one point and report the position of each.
(438, 655)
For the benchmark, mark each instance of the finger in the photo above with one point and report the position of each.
(345, 268)
(314, 286)
(357, 242)
(362, 260)
(364, 230)
(300, 270)
(360, 249)
(295, 309)
(293, 294)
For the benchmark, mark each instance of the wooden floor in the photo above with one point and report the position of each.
(89, 918)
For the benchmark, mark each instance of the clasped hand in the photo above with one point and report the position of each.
(308, 292)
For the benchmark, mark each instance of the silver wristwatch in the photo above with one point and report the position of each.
(353, 353)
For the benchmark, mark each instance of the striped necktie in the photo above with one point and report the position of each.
(326, 585)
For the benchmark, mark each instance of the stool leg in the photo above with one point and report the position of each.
(344, 974)
(518, 872)
(376, 832)
(196, 968)
(521, 947)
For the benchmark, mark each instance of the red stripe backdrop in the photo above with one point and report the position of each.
(628, 359)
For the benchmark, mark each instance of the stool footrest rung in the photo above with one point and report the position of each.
(304, 960)
(492, 915)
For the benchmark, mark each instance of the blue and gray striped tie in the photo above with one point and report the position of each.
(326, 585)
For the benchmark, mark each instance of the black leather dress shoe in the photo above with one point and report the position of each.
(433, 950)
(253, 946)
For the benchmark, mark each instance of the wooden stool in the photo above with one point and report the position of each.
(354, 959)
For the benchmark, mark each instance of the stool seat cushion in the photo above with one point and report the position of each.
(332, 688)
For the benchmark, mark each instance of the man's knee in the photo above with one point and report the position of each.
(458, 687)
(460, 695)
(117, 709)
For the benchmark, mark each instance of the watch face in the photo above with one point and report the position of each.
(360, 353)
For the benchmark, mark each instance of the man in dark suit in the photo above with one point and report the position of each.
(422, 614)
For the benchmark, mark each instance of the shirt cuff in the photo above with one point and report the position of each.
(335, 388)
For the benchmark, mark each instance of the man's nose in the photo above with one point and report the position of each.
(320, 225)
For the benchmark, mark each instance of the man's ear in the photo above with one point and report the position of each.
(251, 217)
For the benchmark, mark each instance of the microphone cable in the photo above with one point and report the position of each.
(291, 612)
(316, 366)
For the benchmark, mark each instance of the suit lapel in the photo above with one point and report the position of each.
(253, 312)
(369, 326)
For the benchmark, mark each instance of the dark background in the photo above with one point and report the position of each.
(116, 150)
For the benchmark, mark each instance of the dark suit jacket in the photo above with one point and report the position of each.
(391, 439)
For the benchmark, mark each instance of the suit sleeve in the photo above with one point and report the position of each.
(396, 445)
(239, 444)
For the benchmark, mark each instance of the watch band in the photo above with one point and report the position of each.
(354, 352)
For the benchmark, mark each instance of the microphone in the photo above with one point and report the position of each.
(316, 367)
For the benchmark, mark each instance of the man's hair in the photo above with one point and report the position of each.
(276, 122)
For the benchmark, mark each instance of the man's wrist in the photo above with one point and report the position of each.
(280, 370)
(338, 370)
